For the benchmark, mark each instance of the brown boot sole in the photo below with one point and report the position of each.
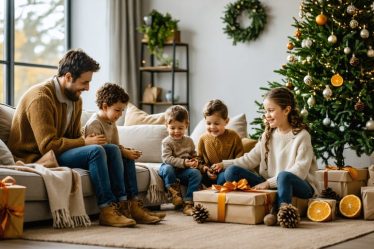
(132, 224)
(148, 222)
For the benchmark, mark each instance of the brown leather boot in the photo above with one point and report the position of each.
(111, 216)
(124, 208)
(176, 195)
(141, 216)
(160, 215)
(188, 208)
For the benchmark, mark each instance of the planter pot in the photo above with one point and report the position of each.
(174, 37)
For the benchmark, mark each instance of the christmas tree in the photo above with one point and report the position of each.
(330, 69)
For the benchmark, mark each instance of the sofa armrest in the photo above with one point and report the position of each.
(248, 144)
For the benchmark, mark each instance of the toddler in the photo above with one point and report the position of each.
(178, 157)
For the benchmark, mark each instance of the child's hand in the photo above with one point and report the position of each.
(217, 167)
(94, 139)
(131, 153)
(211, 175)
(262, 185)
(191, 163)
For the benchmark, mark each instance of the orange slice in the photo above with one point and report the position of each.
(319, 211)
(350, 206)
(337, 80)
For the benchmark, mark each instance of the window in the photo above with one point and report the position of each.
(34, 35)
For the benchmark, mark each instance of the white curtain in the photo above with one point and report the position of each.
(124, 18)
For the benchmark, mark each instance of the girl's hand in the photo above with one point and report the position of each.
(94, 139)
(217, 167)
(131, 153)
(191, 163)
(262, 185)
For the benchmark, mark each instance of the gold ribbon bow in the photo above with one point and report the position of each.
(5, 211)
(241, 185)
(352, 171)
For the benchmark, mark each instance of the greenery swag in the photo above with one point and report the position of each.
(255, 12)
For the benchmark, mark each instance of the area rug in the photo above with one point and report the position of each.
(181, 232)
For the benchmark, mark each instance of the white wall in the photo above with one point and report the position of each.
(217, 68)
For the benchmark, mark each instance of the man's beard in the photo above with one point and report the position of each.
(71, 95)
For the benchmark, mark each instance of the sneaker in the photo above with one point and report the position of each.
(188, 208)
(140, 215)
(111, 216)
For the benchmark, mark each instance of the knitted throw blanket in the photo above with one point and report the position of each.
(65, 194)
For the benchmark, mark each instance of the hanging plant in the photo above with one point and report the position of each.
(255, 12)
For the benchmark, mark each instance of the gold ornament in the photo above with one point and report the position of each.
(290, 46)
(354, 60)
(337, 80)
(289, 85)
(370, 125)
(321, 19)
(327, 93)
(298, 33)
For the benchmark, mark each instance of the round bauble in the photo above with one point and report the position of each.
(351, 9)
(364, 33)
(370, 52)
(353, 24)
(370, 125)
(289, 85)
(291, 58)
(332, 39)
(337, 80)
(347, 50)
(290, 46)
(308, 43)
(308, 59)
(298, 33)
(311, 101)
(304, 112)
(327, 93)
(321, 19)
(308, 80)
(326, 121)
(342, 128)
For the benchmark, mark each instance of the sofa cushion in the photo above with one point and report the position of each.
(146, 138)
(6, 116)
(6, 157)
(237, 123)
(135, 116)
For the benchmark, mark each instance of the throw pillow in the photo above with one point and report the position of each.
(6, 157)
(146, 138)
(135, 116)
(6, 116)
(237, 123)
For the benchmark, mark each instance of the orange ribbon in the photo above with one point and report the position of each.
(5, 211)
(352, 171)
(241, 185)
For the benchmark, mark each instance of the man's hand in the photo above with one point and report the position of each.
(94, 139)
(131, 153)
(262, 185)
(211, 175)
(191, 163)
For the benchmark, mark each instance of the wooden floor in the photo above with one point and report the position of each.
(364, 242)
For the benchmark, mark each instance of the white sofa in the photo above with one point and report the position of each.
(137, 129)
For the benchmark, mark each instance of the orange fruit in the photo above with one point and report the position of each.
(337, 80)
(350, 206)
(319, 211)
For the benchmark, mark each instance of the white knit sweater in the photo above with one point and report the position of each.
(293, 153)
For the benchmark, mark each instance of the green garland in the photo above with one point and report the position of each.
(256, 12)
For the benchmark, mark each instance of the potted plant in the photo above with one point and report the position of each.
(159, 29)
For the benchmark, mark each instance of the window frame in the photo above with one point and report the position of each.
(9, 40)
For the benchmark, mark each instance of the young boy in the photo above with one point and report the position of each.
(112, 100)
(218, 143)
(178, 157)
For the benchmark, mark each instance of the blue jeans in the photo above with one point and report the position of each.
(288, 184)
(189, 177)
(106, 174)
(131, 184)
(220, 179)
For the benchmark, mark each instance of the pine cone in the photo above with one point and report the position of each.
(330, 194)
(359, 106)
(288, 216)
(200, 214)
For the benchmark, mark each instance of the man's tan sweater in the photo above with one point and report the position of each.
(38, 124)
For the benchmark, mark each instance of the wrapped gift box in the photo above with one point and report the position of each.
(236, 206)
(367, 195)
(332, 204)
(301, 204)
(12, 203)
(341, 182)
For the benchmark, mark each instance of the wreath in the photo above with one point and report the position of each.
(255, 12)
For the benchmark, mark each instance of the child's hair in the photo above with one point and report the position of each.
(176, 113)
(215, 106)
(283, 97)
(110, 94)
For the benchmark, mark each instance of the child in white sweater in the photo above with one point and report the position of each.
(284, 154)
